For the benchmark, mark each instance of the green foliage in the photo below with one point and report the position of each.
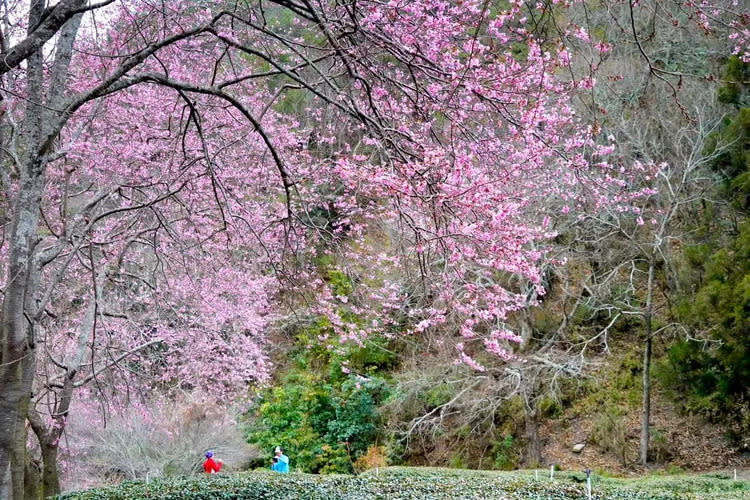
(457, 461)
(323, 424)
(309, 350)
(550, 406)
(627, 375)
(292, 102)
(375, 355)
(676, 469)
(520, 51)
(355, 410)
(735, 72)
(415, 483)
(697, 254)
(731, 145)
(712, 376)
(339, 281)
(505, 453)
(438, 394)
(615, 392)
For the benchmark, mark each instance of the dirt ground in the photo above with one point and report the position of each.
(686, 444)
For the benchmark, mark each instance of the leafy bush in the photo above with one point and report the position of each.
(550, 406)
(506, 454)
(414, 484)
(324, 424)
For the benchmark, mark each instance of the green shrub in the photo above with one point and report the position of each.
(731, 145)
(506, 453)
(322, 425)
(413, 484)
(735, 73)
(550, 406)
(323, 411)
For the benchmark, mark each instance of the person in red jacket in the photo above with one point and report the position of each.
(210, 466)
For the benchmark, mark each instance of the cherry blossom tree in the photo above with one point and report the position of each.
(156, 193)
(144, 198)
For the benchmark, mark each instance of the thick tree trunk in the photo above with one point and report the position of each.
(14, 390)
(19, 454)
(33, 481)
(50, 478)
(18, 349)
(49, 436)
(533, 454)
(533, 443)
(5, 482)
(10, 398)
(47, 482)
(17, 334)
(14, 399)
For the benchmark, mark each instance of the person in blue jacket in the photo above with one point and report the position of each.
(281, 462)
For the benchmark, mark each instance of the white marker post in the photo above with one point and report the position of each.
(551, 472)
(588, 484)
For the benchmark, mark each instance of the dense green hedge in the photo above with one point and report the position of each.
(422, 484)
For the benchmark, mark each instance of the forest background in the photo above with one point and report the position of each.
(471, 233)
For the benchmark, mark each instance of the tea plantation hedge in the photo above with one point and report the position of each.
(406, 483)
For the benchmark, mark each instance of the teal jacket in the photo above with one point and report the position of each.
(282, 465)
